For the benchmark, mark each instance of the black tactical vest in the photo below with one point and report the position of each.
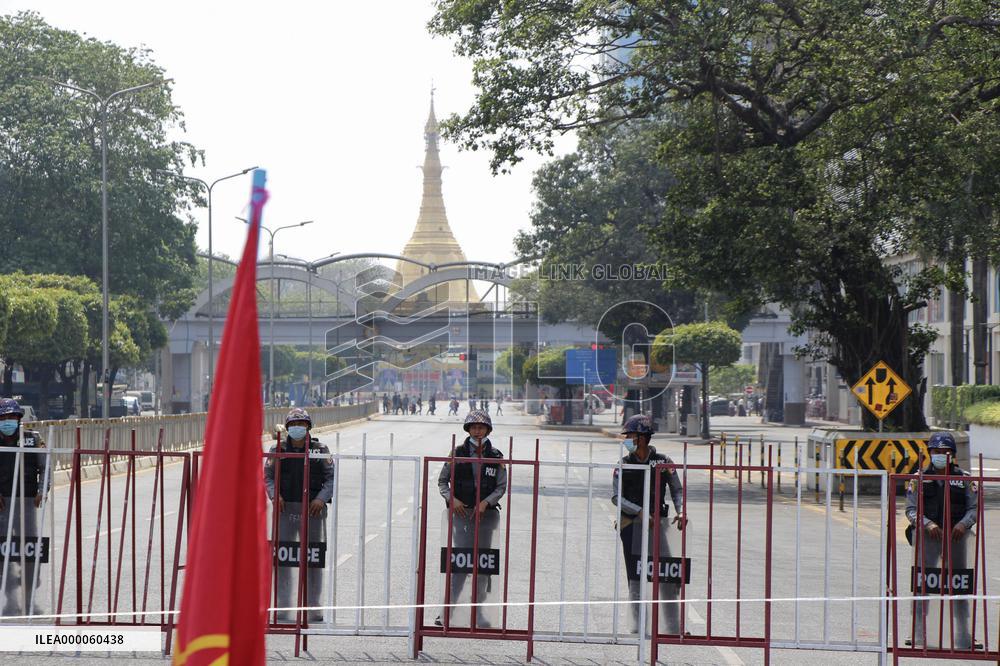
(934, 499)
(632, 481)
(292, 472)
(34, 467)
(465, 484)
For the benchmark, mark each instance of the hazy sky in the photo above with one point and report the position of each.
(331, 98)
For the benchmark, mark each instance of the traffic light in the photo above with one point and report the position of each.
(461, 357)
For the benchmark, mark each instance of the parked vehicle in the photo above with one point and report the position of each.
(719, 407)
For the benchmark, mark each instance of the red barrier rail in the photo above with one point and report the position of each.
(128, 542)
(446, 630)
(979, 578)
(709, 638)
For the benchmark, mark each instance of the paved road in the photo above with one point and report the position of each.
(565, 494)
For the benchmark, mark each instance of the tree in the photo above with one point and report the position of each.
(50, 206)
(724, 380)
(548, 368)
(809, 141)
(588, 226)
(510, 364)
(707, 344)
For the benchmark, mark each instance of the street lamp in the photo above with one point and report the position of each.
(211, 303)
(270, 254)
(103, 103)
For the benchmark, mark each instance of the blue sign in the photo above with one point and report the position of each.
(591, 366)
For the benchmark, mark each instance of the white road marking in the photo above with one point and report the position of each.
(343, 558)
(728, 655)
(731, 657)
(695, 617)
(103, 532)
(403, 510)
(370, 538)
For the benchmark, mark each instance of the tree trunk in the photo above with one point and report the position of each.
(980, 303)
(8, 377)
(44, 374)
(85, 391)
(885, 338)
(956, 320)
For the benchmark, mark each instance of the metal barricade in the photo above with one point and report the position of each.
(358, 592)
(588, 542)
(522, 545)
(940, 580)
(124, 591)
(751, 551)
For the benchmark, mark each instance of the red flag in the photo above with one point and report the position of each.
(226, 581)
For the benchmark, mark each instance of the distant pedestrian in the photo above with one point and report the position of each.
(406, 405)
(396, 403)
(420, 404)
(499, 405)
(431, 405)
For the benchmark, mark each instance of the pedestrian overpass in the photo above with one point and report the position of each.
(372, 329)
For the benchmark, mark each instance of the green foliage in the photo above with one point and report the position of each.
(807, 141)
(546, 368)
(985, 413)
(511, 362)
(587, 224)
(731, 379)
(708, 343)
(50, 204)
(284, 360)
(951, 402)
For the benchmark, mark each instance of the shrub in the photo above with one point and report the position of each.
(951, 402)
(985, 413)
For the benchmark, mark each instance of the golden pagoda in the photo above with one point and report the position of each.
(432, 241)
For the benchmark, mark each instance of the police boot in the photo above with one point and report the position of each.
(12, 607)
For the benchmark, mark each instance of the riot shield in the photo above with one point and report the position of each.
(470, 574)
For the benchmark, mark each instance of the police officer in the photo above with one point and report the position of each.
(288, 503)
(636, 433)
(937, 546)
(491, 483)
(11, 493)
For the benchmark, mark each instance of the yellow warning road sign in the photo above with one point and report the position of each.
(880, 454)
(880, 390)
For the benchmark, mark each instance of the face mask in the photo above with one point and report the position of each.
(297, 432)
(630, 445)
(939, 460)
(8, 427)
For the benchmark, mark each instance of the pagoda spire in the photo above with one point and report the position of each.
(432, 240)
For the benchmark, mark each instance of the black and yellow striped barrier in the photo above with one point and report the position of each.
(896, 455)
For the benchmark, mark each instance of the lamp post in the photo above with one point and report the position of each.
(103, 103)
(211, 303)
(270, 260)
